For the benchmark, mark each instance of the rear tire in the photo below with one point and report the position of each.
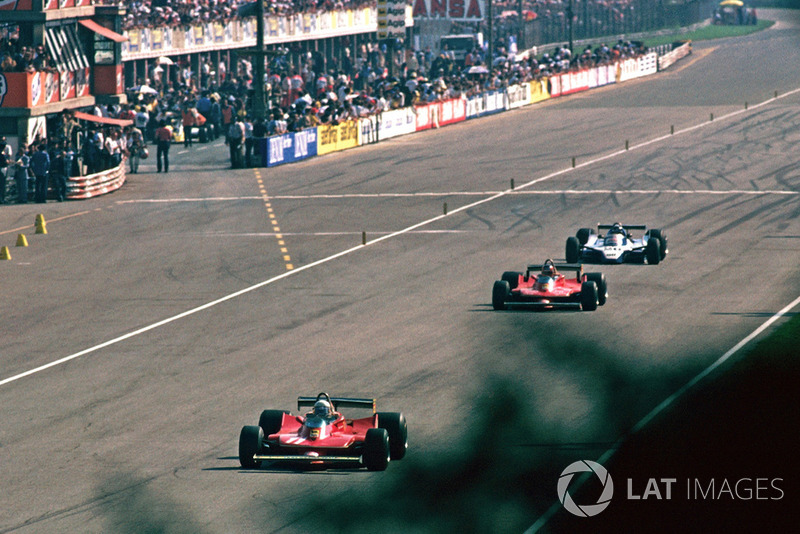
(250, 440)
(512, 277)
(602, 286)
(653, 251)
(573, 249)
(583, 235)
(588, 296)
(376, 449)
(500, 293)
(395, 425)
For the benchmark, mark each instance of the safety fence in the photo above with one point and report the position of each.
(297, 146)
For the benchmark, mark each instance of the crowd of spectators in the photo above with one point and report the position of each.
(299, 97)
(218, 101)
(17, 57)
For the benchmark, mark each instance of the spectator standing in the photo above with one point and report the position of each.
(189, 122)
(5, 159)
(215, 117)
(23, 163)
(163, 140)
(141, 119)
(235, 139)
(248, 141)
(57, 167)
(135, 146)
(40, 165)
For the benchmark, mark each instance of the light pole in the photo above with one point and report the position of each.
(570, 14)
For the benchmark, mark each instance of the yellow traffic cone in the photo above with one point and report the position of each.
(41, 226)
(22, 241)
(5, 254)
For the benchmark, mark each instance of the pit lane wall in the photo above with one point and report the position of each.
(291, 147)
(100, 183)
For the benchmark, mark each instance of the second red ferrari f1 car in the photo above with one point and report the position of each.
(544, 286)
(324, 437)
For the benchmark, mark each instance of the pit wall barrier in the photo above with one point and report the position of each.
(326, 139)
(100, 183)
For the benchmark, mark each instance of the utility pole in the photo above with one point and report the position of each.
(259, 107)
(570, 15)
(490, 50)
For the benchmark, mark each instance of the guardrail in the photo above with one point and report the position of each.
(100, 183)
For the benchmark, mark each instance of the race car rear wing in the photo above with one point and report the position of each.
(338, 402)
(626, 226)
(577, 267)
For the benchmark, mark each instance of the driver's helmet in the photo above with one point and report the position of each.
(613, 240)
(616, 229)
(322, 408)
(548, 269)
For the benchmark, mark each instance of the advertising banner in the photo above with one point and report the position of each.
(495, 102)
(391, 18)
(341, 137)
(518, 96)
(452, 111)
(290, 147)
(455, 10)
(538, 90)
(555, 85)
(388, 124)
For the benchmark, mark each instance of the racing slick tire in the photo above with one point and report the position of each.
(662, 241)
(395, 425)
(573, 249)
(602, 286)
(500, 292)
(589, 297)
(583, 235)
(512, 277)
(271, 421)
(376, 452)
(653, 251)
(250, 439)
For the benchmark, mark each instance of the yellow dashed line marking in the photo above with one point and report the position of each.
(268, 205)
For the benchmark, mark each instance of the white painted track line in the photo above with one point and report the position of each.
(380, 239)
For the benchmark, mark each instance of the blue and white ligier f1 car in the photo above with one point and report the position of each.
(618, 245)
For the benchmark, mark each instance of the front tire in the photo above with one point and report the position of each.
(589, 296)
(583, 235)
(602, 286)
(662, 241)
(376, 452)
(500, 293)
(512, 277)
(271, 421)
(250, 440)
(653, 251)
(573, 249)
(395, 425)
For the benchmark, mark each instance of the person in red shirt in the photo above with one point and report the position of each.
(163, 141)
(189, 122)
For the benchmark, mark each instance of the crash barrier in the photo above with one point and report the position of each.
(99, 183)
(326, 139)
(676, 54)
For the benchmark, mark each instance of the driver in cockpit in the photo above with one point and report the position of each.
(323, 411)
(546, 279)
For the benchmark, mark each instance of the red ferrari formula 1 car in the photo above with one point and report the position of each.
(544, 286)
(324, 437)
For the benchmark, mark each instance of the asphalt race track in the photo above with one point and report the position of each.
(174, 319)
